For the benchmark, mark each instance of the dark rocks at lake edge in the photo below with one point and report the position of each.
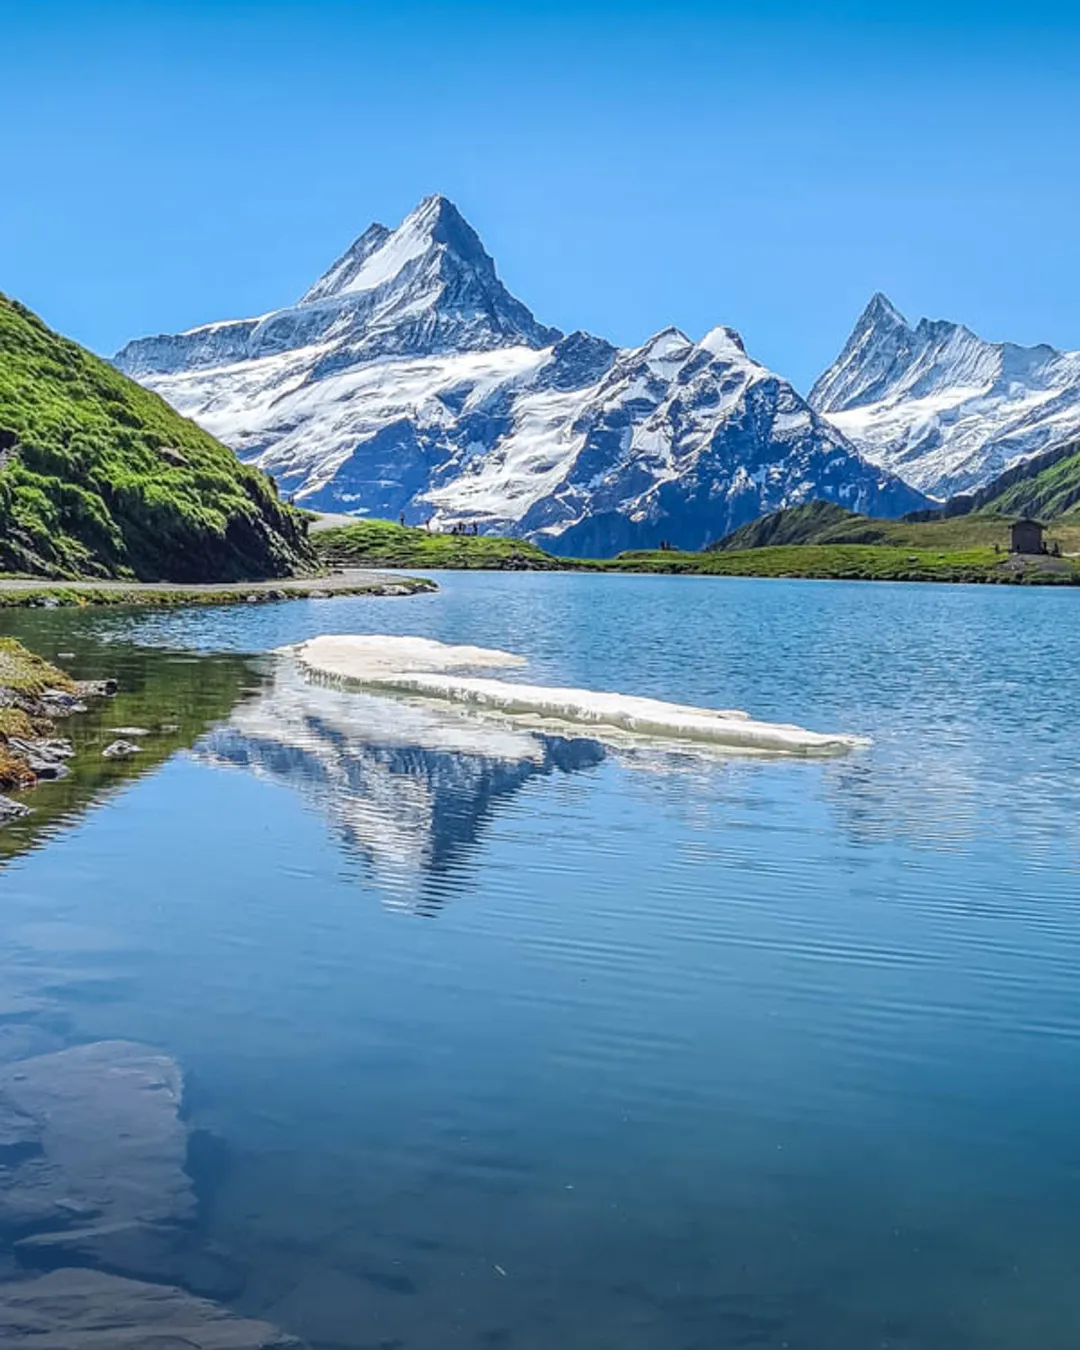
(99, 1240)
(34, 696)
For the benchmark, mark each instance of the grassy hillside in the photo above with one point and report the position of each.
(857, 562)
(1047, 487)
(99, 477)
(826, 523)
(964, 551)
(381, 543)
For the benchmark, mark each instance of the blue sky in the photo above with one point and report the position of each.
(628, 165)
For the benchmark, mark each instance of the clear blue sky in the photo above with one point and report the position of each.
(628, 165)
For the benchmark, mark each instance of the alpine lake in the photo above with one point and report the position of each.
(601, 1045)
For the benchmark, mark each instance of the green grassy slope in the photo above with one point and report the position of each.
(825, 523)
(1046, 488)
(806, 524)
(857, 562)
(381, 543)
(962, 552)
(99, 477)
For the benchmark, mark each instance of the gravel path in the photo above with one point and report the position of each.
(350, 579)
(330, 520)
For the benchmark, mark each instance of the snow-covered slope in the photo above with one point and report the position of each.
(940, 407)
(425, 287)
(408, 379)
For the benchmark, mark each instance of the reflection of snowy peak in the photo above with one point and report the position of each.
(408, 788)
(409, 379)
(942, 408)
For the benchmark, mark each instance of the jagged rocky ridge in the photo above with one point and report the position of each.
(408, 379)
(941, 407)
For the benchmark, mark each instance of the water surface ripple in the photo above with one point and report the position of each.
(520, 1039)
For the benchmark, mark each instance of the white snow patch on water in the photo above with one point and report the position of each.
(424, 668)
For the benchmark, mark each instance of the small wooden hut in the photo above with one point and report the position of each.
(1027, 537)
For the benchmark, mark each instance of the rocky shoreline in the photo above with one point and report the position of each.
(34, 696)
(100, 1246)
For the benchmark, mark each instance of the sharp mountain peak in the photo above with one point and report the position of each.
(378, 256)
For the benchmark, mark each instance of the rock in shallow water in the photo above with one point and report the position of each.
(97, 688)
(94, 1188)
(44, 756)
(120, 750)
(20, 1136)
(86, 1310)
(111, 1146)
(94, 1169)
(10, 810)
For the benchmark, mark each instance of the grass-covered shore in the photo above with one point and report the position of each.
(812, 544)
(26, 718)
(382, 543)
(820, 522)
(857, 562)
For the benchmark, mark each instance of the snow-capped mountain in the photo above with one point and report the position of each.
(408, 379)
(940, 407)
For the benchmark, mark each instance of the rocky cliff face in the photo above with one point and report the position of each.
(408, 379)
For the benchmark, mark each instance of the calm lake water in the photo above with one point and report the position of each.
(596, 1048)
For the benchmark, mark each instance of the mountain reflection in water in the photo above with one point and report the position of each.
(408, 788)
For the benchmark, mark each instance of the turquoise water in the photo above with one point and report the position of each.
(602, 1048)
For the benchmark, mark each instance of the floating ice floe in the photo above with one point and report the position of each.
(425, 669)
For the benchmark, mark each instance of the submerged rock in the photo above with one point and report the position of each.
(10, 810)
(94, 1169)
(20, 1137)
(23, 1040)
(110, 1146)
(120, 750)
(88, 1310)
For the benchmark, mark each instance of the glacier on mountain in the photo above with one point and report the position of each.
(942, 408)
(408, 380)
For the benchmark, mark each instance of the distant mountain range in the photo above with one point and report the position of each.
(940, 407)
(408, 380)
